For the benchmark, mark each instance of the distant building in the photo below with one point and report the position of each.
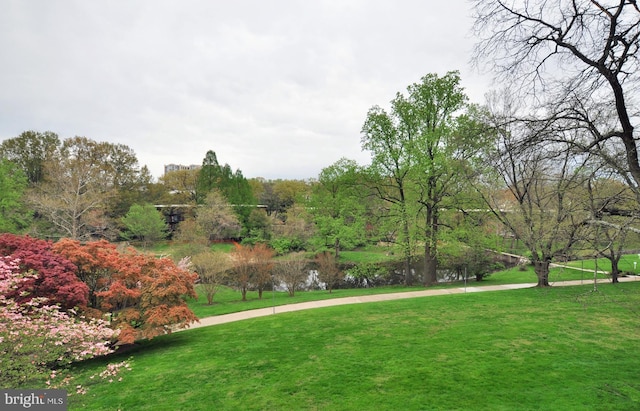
(176, 167)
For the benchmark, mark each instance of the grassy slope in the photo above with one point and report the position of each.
(561, 348)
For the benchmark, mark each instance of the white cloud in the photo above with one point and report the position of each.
(278, 89)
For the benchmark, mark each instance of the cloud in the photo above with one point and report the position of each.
(278, 89)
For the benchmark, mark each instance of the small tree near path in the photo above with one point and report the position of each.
(262, 267)
(252, 267)
(292, 272)
(212, 268)
(328, 270)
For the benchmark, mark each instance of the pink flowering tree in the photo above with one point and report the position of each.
(38, 338)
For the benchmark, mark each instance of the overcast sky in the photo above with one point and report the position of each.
(278, 89)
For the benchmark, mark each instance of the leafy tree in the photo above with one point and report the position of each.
(392, 158)
(182, 183)
(54, 278)
(259, 225)
(233, 186)
(14, 216)
(132, 183)
(95, 261)
(292, 271)
(145, 223)
(86, 186)
(337, 206)
(189, 232)
(209, 176)
(428, 113)
(144, 295)
(328, 270)
(212, 268)
(418, 153)
(30, 151)
(76, 190)
(293, 231)
(216, 219)
(279, 195)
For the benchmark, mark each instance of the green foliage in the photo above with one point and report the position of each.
(285, 245)
(30, 151)
(14, 216)
(258, 227)
(337, 207)
(233, 186)
(368, 274)
(144, 223)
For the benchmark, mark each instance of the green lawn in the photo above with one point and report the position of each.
(563, 348)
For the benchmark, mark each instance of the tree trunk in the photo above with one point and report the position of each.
(406, 247)
(615, 271)
(542, 271)
(430, 239)
(430, 266)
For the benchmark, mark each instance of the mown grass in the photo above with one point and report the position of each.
(563, 348)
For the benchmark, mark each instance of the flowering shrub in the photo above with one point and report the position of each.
(111, 373)
(36, 338)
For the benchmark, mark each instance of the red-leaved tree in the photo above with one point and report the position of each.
(55, 277)
(146, 297)
(143, 294)
(96, 262)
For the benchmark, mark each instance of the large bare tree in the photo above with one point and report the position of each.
(538, 192)
(576, 58)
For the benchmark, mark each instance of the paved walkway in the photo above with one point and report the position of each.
(263, 312)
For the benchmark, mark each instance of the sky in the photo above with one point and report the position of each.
(278, 89)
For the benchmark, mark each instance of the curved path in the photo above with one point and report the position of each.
(263, 312)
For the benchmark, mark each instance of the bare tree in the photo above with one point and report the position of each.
(328, 270)
(262, 267)
(251, 268)
(293, 272)
(613, 207)
(537, 191)
(574, 56)
(212, 269)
